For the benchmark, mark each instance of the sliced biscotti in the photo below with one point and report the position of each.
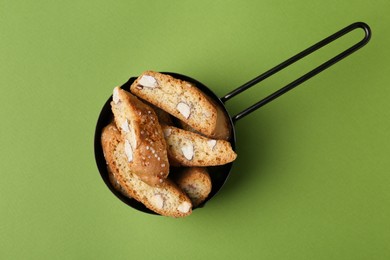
(179, 98)
(191, 149)
(144, 143)
(222, 129)
(166, 200)
(195, 182)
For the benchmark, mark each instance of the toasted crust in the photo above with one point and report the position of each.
(179, 98)
(145, 146)
(195, 182)
(166, 200)
(191, 149)
(117, 185)
(223, 128)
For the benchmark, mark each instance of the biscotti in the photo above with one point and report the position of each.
(166, 200)
(144, 143)
(191, 149)
(179, 98)
(195, 182)
(222, 129)
(151, 159)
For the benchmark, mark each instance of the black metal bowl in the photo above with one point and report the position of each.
(220, 174)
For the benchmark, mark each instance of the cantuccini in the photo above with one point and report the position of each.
(144, 143)
(179, 98)
(191, 149)
(166, 199)
(195, 182)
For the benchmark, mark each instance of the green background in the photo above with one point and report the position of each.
(312, 180)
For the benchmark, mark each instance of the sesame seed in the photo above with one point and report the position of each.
(163, 164)
(147, 147)
(158, 158)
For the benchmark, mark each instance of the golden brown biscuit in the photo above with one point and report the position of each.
(179, 98)
(222, 129)
(191, 149)
(144, 143)
(195, 182)
(167, 199)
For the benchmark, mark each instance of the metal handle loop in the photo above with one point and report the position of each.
(305, 77)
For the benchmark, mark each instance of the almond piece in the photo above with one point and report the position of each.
(125, 126)
(115, 95)
(148, 81)
(188, 151)
(184, 207)
(158, 201)
(211, 144)
(128, 151)
(184, 109)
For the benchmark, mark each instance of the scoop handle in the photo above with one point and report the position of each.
(302, 54)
